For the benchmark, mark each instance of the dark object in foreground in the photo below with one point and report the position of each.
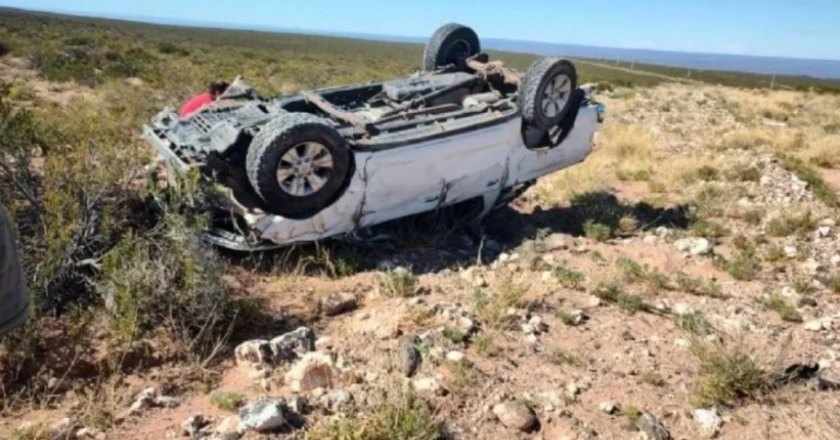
(14, 299)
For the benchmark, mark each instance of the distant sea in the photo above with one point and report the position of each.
(828, 69)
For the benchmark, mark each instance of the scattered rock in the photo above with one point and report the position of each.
(336, 400)
(229, 425)
(427, 385)
(88, 433)
(653, 428)
(817, 325)
(683, 309)
(556, 242)
(788, 292)
(167, 401)
(324, 343)
(144, 400)
(264, 415)
(473, 277)
(455, 356)
(824, 231)
(149, 398)
(531, 339)
(790, 251)
(314, 370)
(409, 355)
(572, 390)
(578, 317)
(254, 352)
(709, 421)
(515, 415)
(338, 303)
(694, 246)
(466, 324)
(193, 425)
(293, 345)
(537, 323)
(608, 407)
(812, 266)
(594, 301)
(835, 260)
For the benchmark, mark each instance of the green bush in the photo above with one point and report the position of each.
(167, 279)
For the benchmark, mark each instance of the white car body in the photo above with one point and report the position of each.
(400, 182)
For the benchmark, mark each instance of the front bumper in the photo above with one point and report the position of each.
(163, 146)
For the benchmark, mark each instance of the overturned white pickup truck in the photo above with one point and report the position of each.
(332, 162)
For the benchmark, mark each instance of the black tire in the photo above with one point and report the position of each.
(451, 45)
(533, 88)
(274, 141)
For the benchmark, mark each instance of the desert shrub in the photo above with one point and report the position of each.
(167, 279)
(726, 372)
(492, 309)
(790, 223)
(743, 267)
(5, 48)
(400, 415)
(398, 283)
(786, 310)
(168, 48)
(694, 322)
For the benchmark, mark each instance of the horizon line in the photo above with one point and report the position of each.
(370, 36)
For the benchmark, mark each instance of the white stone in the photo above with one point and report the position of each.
(790, 251)
(815, 326)
(682, 343)
(812, 266)
(263, 415)
(835, 260)
(608, 407)
(427, 385)
(694, 246)
(788, 292)
(683, 309)
(515, 415)
(824, 232)
(709, 421)
(538, 324)
(324, 343)
(531, 339)
(572, 389)
(455, 356)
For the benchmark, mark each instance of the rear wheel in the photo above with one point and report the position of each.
(450, 46)
(298, 164)
(545, 95)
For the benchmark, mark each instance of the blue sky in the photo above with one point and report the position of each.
(789, 28)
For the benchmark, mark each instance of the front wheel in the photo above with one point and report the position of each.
(545, 94)
(298, 165)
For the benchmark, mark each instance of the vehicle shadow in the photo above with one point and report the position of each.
(449, 239)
